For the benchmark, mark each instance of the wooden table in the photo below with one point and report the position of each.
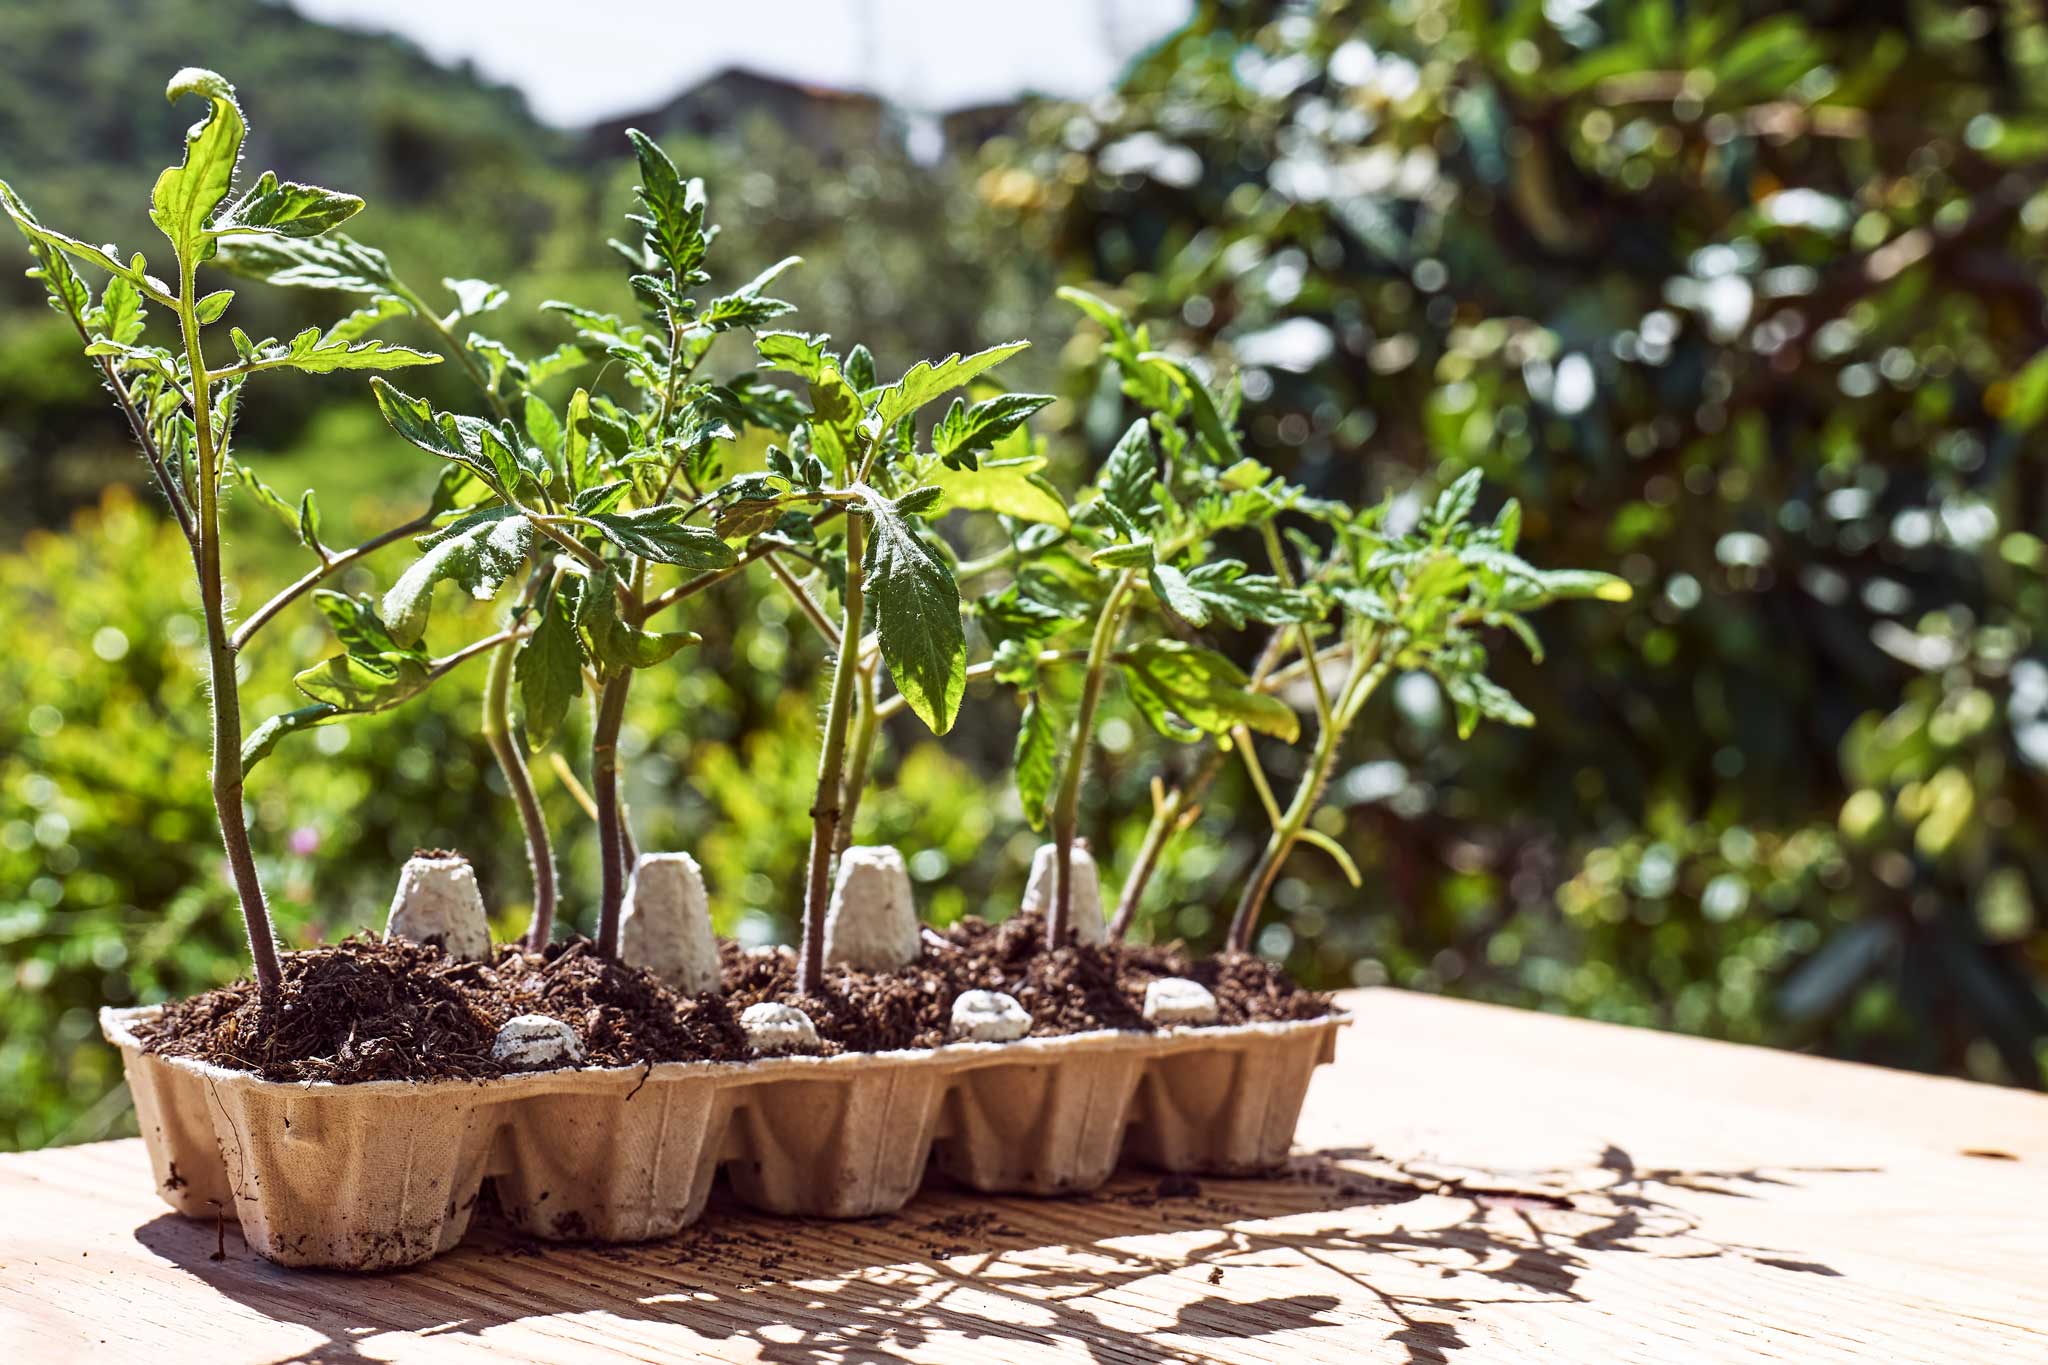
(1471, 1184)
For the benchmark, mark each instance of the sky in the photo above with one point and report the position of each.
(595, 59)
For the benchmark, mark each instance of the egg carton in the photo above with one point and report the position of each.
(381, 1174)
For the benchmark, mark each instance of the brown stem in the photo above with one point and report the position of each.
(807, 603)
(690, 587)
(825, 813)
(223, 686)
(604, 789)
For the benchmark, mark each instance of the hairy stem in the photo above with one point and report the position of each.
(860, 759)
(1287, 832)
(604, 790)
(157, 468)
(805, 602)
(825, 811)
(505, 747)
(1066, 809)
(223, 686)
(711, 578)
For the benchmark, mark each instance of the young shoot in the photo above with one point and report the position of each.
(338, 264)
(594, 500)
(854, 489)
(181, 404)
(1136, 575)
(1414, 601)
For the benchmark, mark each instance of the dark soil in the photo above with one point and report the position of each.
(1075, 990)
(366, 1010)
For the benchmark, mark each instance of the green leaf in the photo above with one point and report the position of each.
(602, 498)
(925, 381)
(437, 434)
(360, 684)
(746, 306)
(1126, 476)
(1101, 310)
(313, 353)
(1187, 691)
(119, 316)
(730, 312)
(835, 419)
(1507, 526)
(659, 534)
(860, 368)
(1012, 487)
(543, 426)
(479, 552)
(1476, 695)
(309, 520)
(356, 623)
(265, 737)
(378, 310)
(210, 309)
(289, 209)
(747, 517)
(186, 195)
(475, 297)
(1556, 585)
(1455, 503)
(675, 208)
(264, 494)
(1177, 595)
(1036, 760)
(150, 285)
(1136, 555)
(576, 433)
(550, 671)
(797, 353)
(916, 608)
(965, 430)
(1367, 604)
(562, 359)
(1222, 442)
(335, 262)
(1229, 592)
(615, 644)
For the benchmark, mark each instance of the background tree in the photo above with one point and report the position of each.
(1743, 302)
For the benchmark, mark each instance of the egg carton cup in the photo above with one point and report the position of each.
(381, 1174)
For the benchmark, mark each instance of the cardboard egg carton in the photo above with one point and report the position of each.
(381, 1174)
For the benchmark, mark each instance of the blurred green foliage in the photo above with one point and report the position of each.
(1740, 300)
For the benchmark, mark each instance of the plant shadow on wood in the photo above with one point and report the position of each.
(1390, 1251)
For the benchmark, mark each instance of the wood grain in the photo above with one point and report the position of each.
(1472, 1184)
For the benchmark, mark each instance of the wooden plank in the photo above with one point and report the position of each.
(1472, 1183)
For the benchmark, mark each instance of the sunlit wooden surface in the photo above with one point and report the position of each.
(1472, 1184)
